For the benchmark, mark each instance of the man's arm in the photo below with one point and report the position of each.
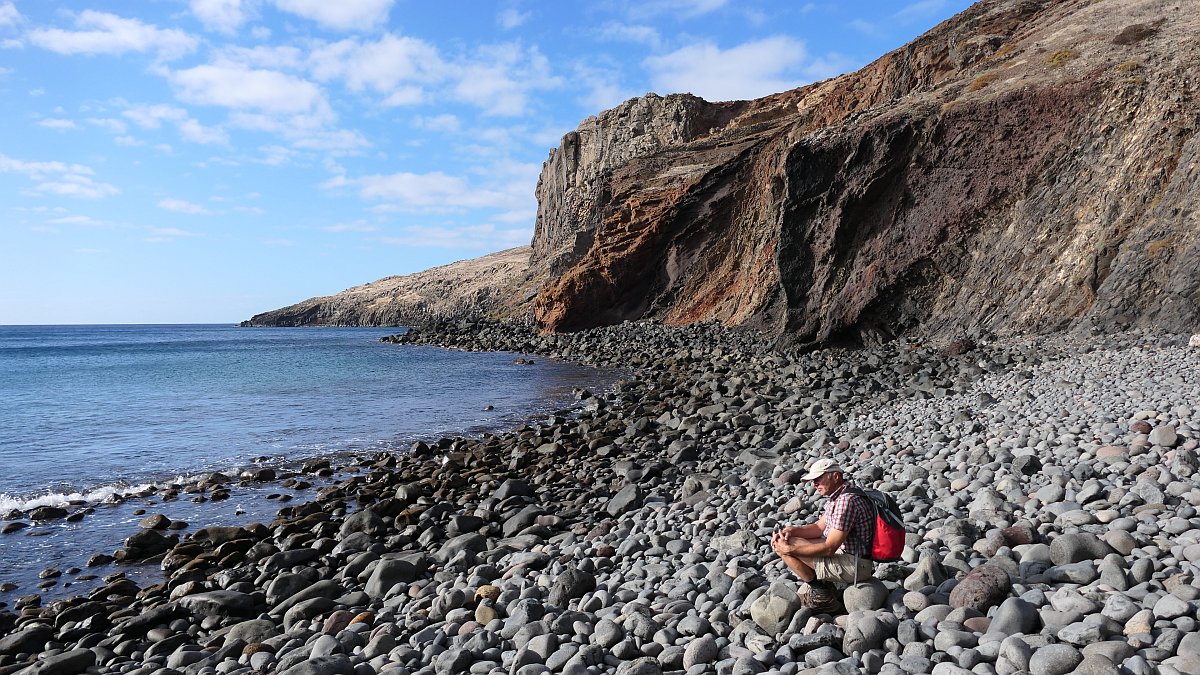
(809, 531)
(818, 549)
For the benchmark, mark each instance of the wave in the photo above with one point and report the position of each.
(105, 494)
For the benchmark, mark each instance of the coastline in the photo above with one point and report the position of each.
(630, 536)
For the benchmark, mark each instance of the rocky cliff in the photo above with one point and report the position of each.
(1025, 166)
(480, 286)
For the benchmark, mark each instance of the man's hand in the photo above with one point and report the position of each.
(780, 540)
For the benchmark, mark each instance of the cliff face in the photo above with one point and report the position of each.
(1026, 166)
(481, 286)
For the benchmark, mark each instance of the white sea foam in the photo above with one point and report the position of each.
(99, 495)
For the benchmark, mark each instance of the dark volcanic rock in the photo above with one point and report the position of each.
(983, 587)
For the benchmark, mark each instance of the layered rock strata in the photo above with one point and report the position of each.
(1025, 166)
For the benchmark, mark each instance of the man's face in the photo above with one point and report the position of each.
(824, 484)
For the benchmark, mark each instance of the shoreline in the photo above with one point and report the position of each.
(253, 489)
(630, 538)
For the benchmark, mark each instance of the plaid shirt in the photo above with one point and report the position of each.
(850, 513)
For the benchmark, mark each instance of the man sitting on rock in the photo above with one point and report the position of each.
(833, 548)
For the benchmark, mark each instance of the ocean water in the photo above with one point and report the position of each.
(91, 411)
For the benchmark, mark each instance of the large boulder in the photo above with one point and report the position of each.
(773, 610)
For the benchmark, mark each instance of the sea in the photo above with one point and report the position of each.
(90, 413)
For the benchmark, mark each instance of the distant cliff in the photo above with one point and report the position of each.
(1026, 166)
(476, 287)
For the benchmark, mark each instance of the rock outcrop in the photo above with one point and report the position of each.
(1025, 166)
(480, 286)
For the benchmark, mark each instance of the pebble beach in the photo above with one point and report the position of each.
(1049, 486)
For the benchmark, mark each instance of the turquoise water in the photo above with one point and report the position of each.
(87, 411)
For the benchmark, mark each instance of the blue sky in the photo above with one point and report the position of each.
(185, 161)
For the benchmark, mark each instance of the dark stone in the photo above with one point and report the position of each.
(983, 587)
(48, 513)
(337, 664)
(30, 640)
(1026, 465)
(628, 498)
(1014, 616)
(155, 522)
(220, 603)
(1077, 547)
(67, 663)
(571, 584)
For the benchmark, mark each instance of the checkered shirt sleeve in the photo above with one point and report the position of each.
(850, 513)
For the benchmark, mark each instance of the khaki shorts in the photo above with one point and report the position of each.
(840, 567)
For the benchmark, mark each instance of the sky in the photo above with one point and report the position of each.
(200, 161)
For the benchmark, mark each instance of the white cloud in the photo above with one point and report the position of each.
(304, 131)
(104, 33)
(9, 16)
(602, 88)
(75, 220)
(747, 71)
(419, 190)
(196, 132)
(114, 125)
(358, 226)
(381, 65)
(340, 15)
(501, 78)
(276, 155)
(484, 237)
(220, 15)
(512, 18)
(285, 243)
(683, 9)
(53, 123)
(445, 123)
(505, 187)
(405, 96)
(276, 57)
(183, 206)
(58, 178)
(163, 233)
(152, 117)
(636, 33)
(39, 170)
(235, 86)
(76, 186)
(435, 191)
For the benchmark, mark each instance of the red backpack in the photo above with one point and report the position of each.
(887, 537)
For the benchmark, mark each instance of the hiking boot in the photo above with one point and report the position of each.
(820, 596)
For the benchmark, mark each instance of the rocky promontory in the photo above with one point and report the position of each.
(488, 286)
(1050, 490)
